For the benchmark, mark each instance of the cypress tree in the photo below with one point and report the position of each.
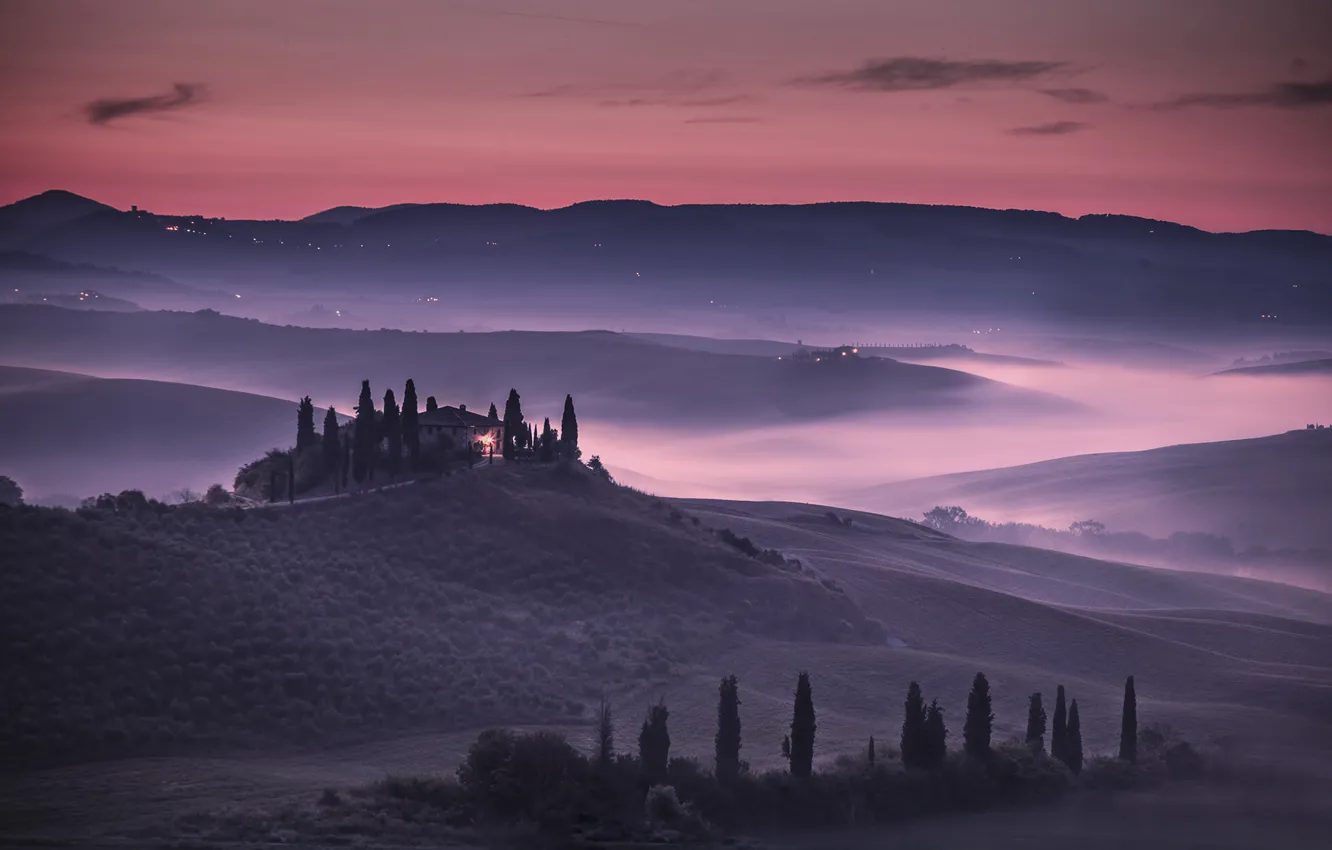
(1073, 740)
(980, 718)
(547, 444)
(411, 435)
(1128, 730)
(1059, 726)
(365, 426)
(432, 405)
(803, 727)
(913, 728)
(605, 734)
(786, 748)
(654, 744)
(728, 730)
(330, 445)
(346, 459)
(1036, 724)
(493, 414)
(569, 429)
(936, 736)
(391, 430)
(513, 424)
(305, 432)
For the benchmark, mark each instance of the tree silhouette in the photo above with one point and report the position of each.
(980, 718)
(605, 734)
(346, 464)
(936, 736)
(1073, 740)
(432, 405)
(391, 431)
(513, 425)
(363, 450)
(10, 492)
(1059, 726)
(654, 744)
(291, 477)
(546, 444)
(493, 414)
(1128, 730)
(569, 429)
(913, 728)
(728, 730)
(305, 430)
(803, 727)
(331, 446)
(411, 435)
(1036, 724)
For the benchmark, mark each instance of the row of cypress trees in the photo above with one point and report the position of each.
(923, 740)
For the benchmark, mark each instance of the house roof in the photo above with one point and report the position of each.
(455, 417)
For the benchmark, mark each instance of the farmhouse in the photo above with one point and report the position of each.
(461, 428)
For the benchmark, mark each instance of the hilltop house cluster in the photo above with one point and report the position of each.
(462, 428)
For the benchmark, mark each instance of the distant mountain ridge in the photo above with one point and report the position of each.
(884, 255)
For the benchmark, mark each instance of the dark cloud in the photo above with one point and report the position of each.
(1054, 128)
(1076, 95)
(725, 119)
(1278, 96)
(108, 109)
(914, 73)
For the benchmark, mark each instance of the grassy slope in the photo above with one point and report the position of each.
(1270, 490)
(83, 436)
(611, 375)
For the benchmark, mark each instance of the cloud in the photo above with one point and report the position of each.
(670, 100)
(1277, 95)
(1076, 95)
(105, 110)
(725, 119)
(1054, 128)
(914, 73)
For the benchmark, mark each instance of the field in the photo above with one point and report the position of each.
(1241, 667)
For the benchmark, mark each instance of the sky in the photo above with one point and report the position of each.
(1216, 113)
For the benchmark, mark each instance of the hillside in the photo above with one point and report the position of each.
(613, 376)
(961, 355)
(79, 436)
(1270, 491)
(1302, 367)
(496, 596)
(890, 256)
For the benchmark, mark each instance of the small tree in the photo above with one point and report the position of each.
(654, 744)
(411, 434)
(330, 446)
(11, 493)
(493, 414)
(605, 735)
(1036, 724)
(1128, 730)
(728, 730)
(569, 429)
(1059, 726)
(391, 430)
(913, 728)
(936, 736)
(1073, 740)
(305, 430)
(803, 727)
(346, 465)
(980, 718)
(365, 425)
(514, 428)
(547, 446)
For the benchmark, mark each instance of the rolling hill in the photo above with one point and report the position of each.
(611, 375)
(1302, 367)
(1270, 491)
(899, 257)
(79, 436)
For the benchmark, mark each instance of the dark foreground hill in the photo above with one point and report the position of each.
(611, 375)
(1269, 491)
(497, 596)
(71, 434)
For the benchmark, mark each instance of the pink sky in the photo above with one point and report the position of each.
(307, 104)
